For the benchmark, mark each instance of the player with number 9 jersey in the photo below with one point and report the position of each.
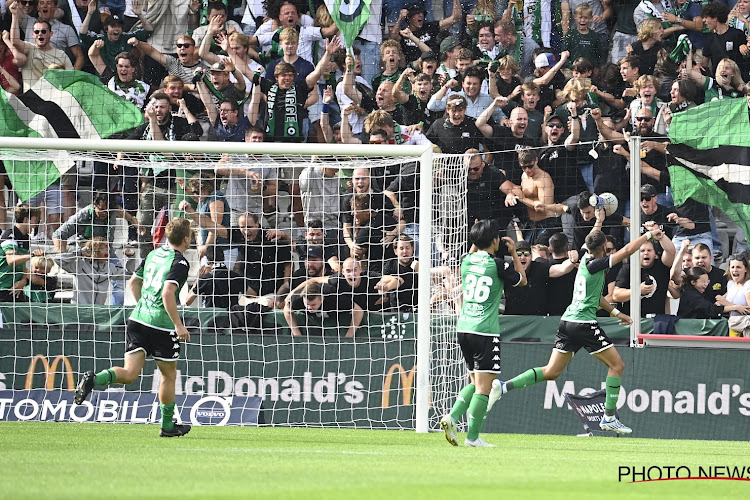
(161, 266)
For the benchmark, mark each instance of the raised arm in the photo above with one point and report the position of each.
(346, 127)
(253, 110)
(138, 11)
(350, 90)
(397, 91)
(549, 75)
(325, 120)
(332, 46)
(204, 50)
(95, 56)
(15, 31)
(608, 133)
(149, 50)
(481, 123)
(455, 17)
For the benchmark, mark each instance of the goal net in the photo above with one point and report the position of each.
(272, 297)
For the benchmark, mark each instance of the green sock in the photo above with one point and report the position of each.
(613, 392)
(527, 378)
(477, 411)
(167, 412)
(462, 402)
(105, 377)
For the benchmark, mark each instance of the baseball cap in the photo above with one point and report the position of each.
(448, 43)
(648, 190)
(415, 8)
(218, 66)
(111, 20)
(523, 245)
(427, 56)
(314, 252)
(544, 60)
(456, 100)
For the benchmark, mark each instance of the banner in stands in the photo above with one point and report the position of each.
(666, 392)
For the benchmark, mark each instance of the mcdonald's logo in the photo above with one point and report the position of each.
(49, 372)
(407, 383)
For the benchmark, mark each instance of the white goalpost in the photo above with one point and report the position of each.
(413, 398)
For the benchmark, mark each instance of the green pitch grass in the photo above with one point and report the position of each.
(106, 461)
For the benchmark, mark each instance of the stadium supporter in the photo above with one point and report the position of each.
(227, 121)
(185, 65)
(549, 77)
(559, 292)
(390, 59)
(722, 41)
(352, 88)
(530, 300)
(93, 271)
(364, 287)
(485, 49)
(601, 14)
(630, 71)
(75, 12)
(320, 187)
(217, 86)
(415, 103)
(656, 262)
(158, 183)
(216, 286)
(649, 46)
(312, 267)
(373, 230)
(577, 325)
(403, 268)
(216, 14)
(509, 83)
(115, 41)
(284, 121)
(322, 302)
(34, 58)
(728, 81)
(63, 37)
(488, 192)
(264, 263)
(537, 192)
(10, 76)
(449, 49)
(412, 18)
(237, 46)
(653, 212)
(289, 42)
(42, 286)
(211, 216)
(529, 96)
(693, 301)
(738, 292)
(683, 94)
(625, 30)
(15, 252)
(559, 157)
(581, 41)
(361, 184)
(506, 140)
(516, 45)
(702, 258)
(174, 87)
(478, 326)
(315, 236)
(477, 101)
(123, 82)
(154, 327)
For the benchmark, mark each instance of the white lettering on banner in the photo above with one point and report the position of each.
(50, 411)
(226, 404)
(21, 415)
(221, 383)
(661, 400)
(2, 377)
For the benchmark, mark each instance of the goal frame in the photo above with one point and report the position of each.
(423, 154)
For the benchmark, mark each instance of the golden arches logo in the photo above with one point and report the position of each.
(407, 383)
(49, 372)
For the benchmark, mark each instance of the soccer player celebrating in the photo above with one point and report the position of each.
(483, 276)
(154, 328)
(579, 328)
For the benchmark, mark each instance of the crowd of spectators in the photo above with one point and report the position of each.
(538, 99)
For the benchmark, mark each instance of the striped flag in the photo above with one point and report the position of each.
(61, 104)
(709, 158)
(350, 17)
(159, 229)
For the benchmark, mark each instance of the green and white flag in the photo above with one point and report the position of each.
(61, 104)
(350, 17)
(709, 158)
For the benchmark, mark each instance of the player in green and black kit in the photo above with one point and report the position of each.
(154, 328)
(579, 328)
(483, 278)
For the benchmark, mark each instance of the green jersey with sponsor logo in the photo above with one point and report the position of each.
(483, 277)
(587, 289)
(162, 266)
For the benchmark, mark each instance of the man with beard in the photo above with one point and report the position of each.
(174, 87)
(34, 58)
(373, 231)
(361, 184)
(115, 41)
(313, 267)
(559, 290)
(226, 123)
(488, 192)
(404, 269)
(477, 101)
(457, 132)
(425, 32)
(560, 158)
(530, 300)
(415, 104)
(511, 43)
(718, 280)
(655, 271)
(322, 302)
(654, 213)
(507, 140)
(184, 65)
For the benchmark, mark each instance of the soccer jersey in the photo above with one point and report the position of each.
(483, 277)
(587, 289)
(162, 266)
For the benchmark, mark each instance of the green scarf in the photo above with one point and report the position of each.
(219, 95)
(291, 118)
(536, 27)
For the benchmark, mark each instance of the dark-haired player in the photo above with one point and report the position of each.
(483, 277)
(579, 328)
(154, 328)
